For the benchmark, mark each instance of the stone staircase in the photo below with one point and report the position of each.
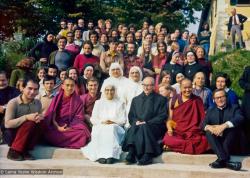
(74, 165)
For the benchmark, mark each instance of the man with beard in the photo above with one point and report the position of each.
(131, 59)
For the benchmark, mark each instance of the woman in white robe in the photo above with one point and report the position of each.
(108, 118)
(135, 75)
(126, 89)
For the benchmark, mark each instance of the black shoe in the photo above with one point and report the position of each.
(130, 159)
(236, 166)
(14, 155)
(28, 156)
(102, 161)
(110, 161)
(145, 160)
(218, 164)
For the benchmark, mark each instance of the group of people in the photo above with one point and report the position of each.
(107, 91)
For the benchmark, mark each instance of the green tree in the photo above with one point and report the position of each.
(39, 16)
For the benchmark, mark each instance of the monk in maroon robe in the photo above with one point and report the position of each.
(186, 114)
(89, 99)
(64, 119)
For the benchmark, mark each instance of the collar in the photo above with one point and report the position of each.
(172, 63)
(20, 100)
(43, 94)
(222, 108)
(192, 63)
(227, 89)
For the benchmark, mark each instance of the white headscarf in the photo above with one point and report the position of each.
(137, 69)
(105, 85)
(115, 65)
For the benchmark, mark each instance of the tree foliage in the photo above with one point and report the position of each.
(38, 16)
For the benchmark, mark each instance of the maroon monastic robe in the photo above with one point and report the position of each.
(66, 111)
(187, 136)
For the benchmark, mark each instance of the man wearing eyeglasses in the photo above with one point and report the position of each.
(222, 125)
(147, 116)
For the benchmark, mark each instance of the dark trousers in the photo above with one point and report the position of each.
(224, 145)
(23, 138)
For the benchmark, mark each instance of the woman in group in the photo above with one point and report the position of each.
(108, 118)
(222, 81)
(192, 43)
(88, 72)
(207, 65)
(126, 89)
(173, 67)
(200, 90)
(160, 59)
(192, 66)
(165, 79)
(64, 124)
(135, 75)
(176, 86)
(44, 48)
(41, 72)
(24, 69)
(147, 58)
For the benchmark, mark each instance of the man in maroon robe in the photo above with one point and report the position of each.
(89, 99)
(64, 120)
(186, 112)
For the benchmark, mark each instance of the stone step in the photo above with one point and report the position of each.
(48, 152)
(86, 168)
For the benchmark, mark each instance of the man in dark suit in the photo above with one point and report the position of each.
(235, 25)
(222, 125)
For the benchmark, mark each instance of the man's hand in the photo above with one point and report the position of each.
(140, 122)
(63, 128)
(217, 129)
(2, 109)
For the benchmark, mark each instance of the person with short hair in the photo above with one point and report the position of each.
(109, 57)
(108, 118)
(6, 94)
(186, 113)
(235, 25)
(147, 115)
(24, 69)
(223, 126)
(64, 124)
(61, 57)
(22, 118)
(89, 98)
(48, 93)
(131, 59)
(71, 46)
(86, 57)
(200, 90)
(222, 81)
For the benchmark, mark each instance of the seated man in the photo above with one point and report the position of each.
(46, 96)
(147, 115)
(90, 98)
(6, 94)
(222, 125)
(186, 113)
(21, 122)
(64, 120)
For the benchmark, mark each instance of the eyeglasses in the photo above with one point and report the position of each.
(109, 90)
(147, 85)
(134, 72)
(70, 36)
(219, 97)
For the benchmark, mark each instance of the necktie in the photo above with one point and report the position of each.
(235, 22)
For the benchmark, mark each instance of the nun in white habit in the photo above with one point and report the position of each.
(108, 118)
(126, 89)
